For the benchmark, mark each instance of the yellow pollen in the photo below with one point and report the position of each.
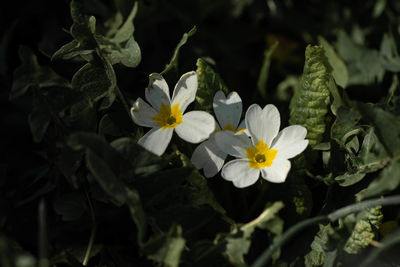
(169, 117)
(260, 155)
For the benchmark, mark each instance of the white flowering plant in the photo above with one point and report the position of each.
(223, 155)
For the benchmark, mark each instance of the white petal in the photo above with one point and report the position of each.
(227, 109)
(290, 141)
(185, 90)
(196, 126)
(142, 113)
(277, 172)
(156, 140)
(263, 124)
(157, 91)
(233, 144)
(239, 172)
(209, 157)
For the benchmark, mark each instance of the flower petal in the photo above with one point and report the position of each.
(239, 172)
(142, 113)
(196, 126)
(156, 140)
(290, 141)
(233, 144)
(209, 157)
(227, 109)
(185, 90)
(277, 172)
(157, 91)
(263, 124)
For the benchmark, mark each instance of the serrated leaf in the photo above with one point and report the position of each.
(309, 104)
(339, 70)
(364, 230)
(321, 246)
(30, 73)
(173, 63)
(209, 82)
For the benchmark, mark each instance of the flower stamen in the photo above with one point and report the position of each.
(260, 155)
(169, 117)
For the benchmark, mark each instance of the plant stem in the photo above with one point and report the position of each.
(122, 99)
(92, 233)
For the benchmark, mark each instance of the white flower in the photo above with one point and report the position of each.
(267, 152)
(165, 115)
(207, 155)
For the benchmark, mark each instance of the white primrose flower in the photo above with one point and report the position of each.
(228, 110)
(268, 150)
(166, 115)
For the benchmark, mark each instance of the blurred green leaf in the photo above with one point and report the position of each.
(309, 105)
(264, 71)
(173, 63)
(363, 64)
(239, 240)
(209, 83)
(166, 249)
(30, 73)
(70, 206)
(380, 120)
(389, 56)
(104, 162)
(339, 70)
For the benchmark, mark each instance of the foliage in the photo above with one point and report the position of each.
(76, 188)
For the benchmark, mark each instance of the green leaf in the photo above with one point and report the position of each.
(70, 206)
(309, 105)
(345, 125)
(31, 74)
(104, 162)
(39, 118)
(363, 64)
(321, 246)
(70, 50)
(389, 56)
(166, 249)
(95, 80)
(348, 179)
(364, 230)
(209, 82)
(173, 63)
(387, 181)
(239, 240)
(126, 31)
(339, 70)
(144, 162)
(264, 71)
(381, 120)
(84, 26)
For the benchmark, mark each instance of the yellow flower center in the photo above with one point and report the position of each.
(169, 117)
(260, 155)
(229, 127)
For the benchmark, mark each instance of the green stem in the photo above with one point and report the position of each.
(122, 99)
(267, 254)
(340, 213)
(92, 233)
